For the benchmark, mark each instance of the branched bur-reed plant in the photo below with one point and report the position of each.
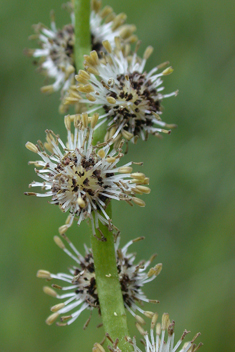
(94, 62)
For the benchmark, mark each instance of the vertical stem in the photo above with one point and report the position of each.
(82, 31)
(108, 286)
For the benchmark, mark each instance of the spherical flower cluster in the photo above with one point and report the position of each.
(157, 343)
(82, 178)
(130, 97)
(162, 342)
(56, 55)
(81, 291)
(57, 45)
(106, 25)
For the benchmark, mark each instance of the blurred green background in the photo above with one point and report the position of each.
(189, 217)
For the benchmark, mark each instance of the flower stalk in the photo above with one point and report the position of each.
(82, 31)
(108, 286)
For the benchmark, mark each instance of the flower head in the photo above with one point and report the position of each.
(130, 97)
(81, 290)
(56, 51)
(56, 55)
(82, 178)
(161, 342)
(106, 25)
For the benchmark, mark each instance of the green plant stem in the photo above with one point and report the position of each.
(108, 286)
(82, 31)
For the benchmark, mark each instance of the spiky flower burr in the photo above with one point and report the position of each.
(130, 97)
(163, 341)
(56, 53)
(82, 178)
(80, 285)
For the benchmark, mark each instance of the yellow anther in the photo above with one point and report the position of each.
(158, 329)
(49, 291)
(57, 307)
(98, 348)
(87, 88)
(94, 57)
(138, 201)
(107, 46)
(138, 175)
(141, 330)
(101, 153)
(165, 321)
(44, 274)
(90, 97)
(95, 5)
(106, 11)
(139, 320)
(148, 314)
(63, 229)
(127, 135)
(143, 189)
(154, 320)
(110, 159)
(167, 71)
(59, 242)
(32, 147)
(94, 120)
(148, 52)
(81, 203)
(67, 122)
(50, 320)
(125, 169)
(111, 100)
(47, 89)
(112, 132)
(85, 119)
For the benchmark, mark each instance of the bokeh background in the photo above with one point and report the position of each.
(189, 217)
